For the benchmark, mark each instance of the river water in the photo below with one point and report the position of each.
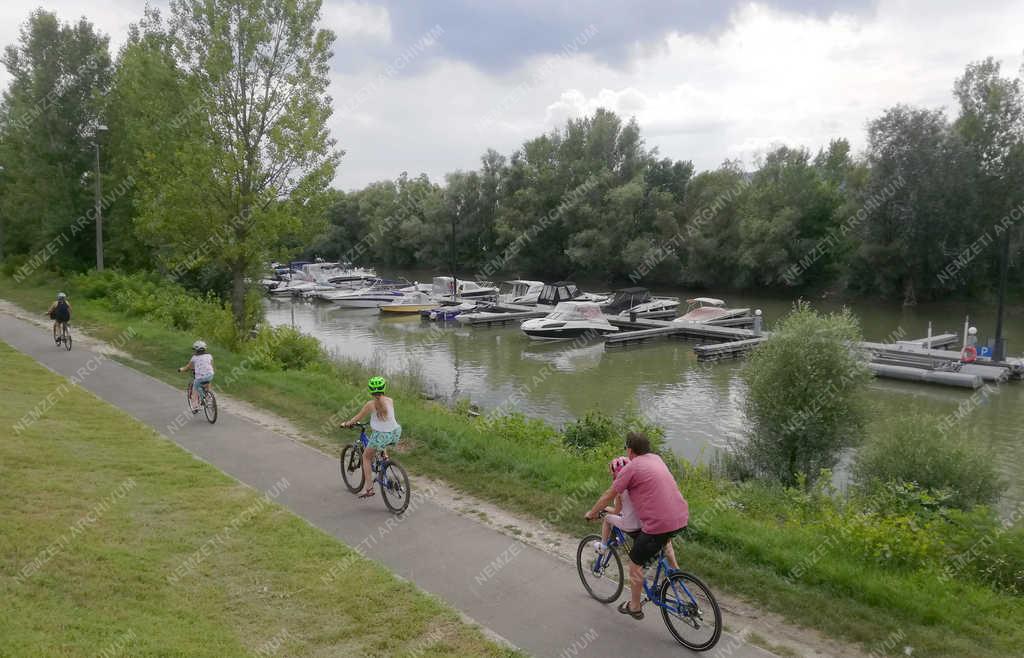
(699, 405)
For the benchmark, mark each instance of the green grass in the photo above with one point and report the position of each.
(747, 550)
(123, 511)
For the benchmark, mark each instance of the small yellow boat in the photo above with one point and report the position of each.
(410, 303)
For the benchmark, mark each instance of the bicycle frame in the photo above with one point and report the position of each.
(650, 590)
(380, 459)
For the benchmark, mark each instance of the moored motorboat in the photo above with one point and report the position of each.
(708, 309)
(466, 289)
(451, 312)
(409, 303)
(628, 301)
(569, 320)
(521, 291)
(563, 291)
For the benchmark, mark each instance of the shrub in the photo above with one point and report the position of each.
(155, 298)
(805, 401)
(284, 348)
(596, 429)
(915, 449)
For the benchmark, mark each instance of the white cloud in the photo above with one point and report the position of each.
(357, 20)
(767, 77)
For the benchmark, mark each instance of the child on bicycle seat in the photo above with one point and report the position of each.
(201, 364)
(384, 425)
(621, 515)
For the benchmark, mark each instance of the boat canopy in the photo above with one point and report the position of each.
(560, 291)
(627, 298)
(706, 301)
(577, 312)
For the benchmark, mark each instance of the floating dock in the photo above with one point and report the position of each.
(645, 329)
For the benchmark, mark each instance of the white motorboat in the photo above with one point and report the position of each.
(707, 309)
(353, 278)
(372, 296)
(521, 291)
(565, 291)
(467, 289)
(569, 320)
(307, 277)
(627, 301)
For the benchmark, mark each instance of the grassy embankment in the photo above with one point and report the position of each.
(114, 540)
(862, 578)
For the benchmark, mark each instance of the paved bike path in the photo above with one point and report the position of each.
(532, 599)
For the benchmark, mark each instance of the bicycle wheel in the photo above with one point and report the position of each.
(602, 575)
(690, 611)
(188, 398)
(210, 407)
(352, 467)
(67, 338)
(394, 486)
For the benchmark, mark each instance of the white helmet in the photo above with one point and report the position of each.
(61, 295)
(199, 346)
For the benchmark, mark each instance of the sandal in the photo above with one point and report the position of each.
(635, 614)
(368, 493)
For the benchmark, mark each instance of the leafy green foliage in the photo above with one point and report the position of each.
(59, 73)
(596, 429)
(153, 297)
(284, 348)
(916, 449)
(805, 402)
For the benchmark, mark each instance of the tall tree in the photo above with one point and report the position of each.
(991, 125)
(49, 114)
(908, 203)
(255, 174)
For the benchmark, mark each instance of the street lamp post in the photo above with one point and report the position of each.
(99, 205)
(999, 349)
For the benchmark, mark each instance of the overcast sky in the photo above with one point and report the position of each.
(428, 86)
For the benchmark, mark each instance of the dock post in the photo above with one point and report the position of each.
(758, 319)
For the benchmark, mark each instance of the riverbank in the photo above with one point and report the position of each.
(802, 556)
(167, 555)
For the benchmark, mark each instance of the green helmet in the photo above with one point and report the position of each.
(378, 385)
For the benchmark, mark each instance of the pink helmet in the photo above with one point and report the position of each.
(617, 465)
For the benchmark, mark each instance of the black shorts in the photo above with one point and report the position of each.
(646, 547)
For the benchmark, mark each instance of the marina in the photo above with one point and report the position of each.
(700, 403)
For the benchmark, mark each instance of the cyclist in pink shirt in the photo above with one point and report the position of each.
(659, 504)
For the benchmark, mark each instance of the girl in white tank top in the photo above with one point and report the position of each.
(384, 428)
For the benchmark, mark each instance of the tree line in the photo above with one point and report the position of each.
(918, 215)
(211, 123)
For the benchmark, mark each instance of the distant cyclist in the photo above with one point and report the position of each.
(384, 425)
(659, 504)
(60, 313)
(201, 364)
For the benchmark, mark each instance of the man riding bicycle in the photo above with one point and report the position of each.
(60, 313)
(659, 504)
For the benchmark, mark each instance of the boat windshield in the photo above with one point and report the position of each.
(553, 293)
(576, 312)
(628, 298)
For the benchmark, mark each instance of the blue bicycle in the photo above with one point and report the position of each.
(687, 605)
(392, 478)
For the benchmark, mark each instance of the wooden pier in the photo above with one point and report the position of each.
(487, 319)
(730, 350)
(645, 329)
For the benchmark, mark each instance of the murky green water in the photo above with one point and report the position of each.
(701, 406)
